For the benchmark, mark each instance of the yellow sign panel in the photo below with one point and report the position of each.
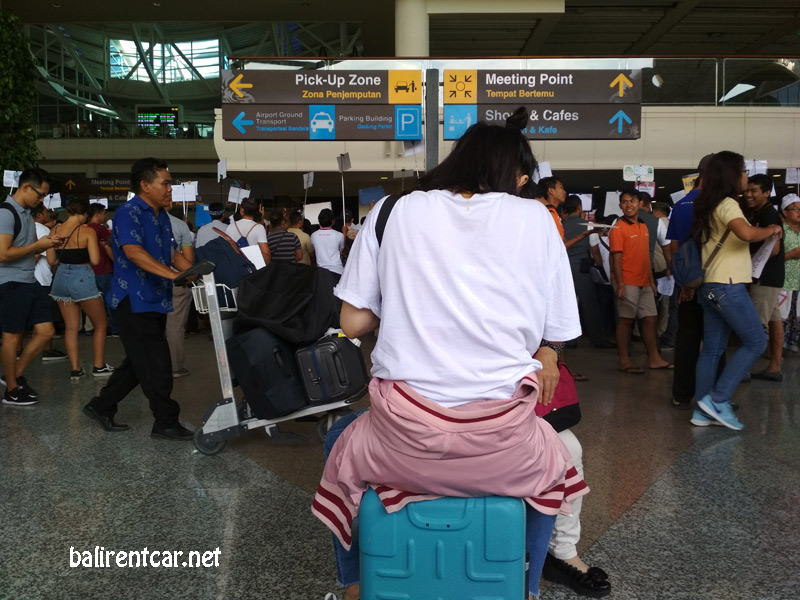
(460, 86)
(405, 87)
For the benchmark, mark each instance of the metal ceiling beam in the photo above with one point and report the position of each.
(162, 93)
(539, 35)
(671, 18)
(789, 26)
(79, 64)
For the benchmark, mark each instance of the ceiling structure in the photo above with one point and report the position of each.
(70, 38)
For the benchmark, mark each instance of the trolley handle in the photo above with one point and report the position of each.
(202, 268)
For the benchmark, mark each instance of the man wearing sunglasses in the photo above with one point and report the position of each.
(23, 304)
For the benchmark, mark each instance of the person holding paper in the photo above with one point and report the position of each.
(766, 286)
(246, 227)
(723, 296)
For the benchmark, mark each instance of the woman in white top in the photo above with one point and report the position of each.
(246, 227)
(464, 309)
(723, 296)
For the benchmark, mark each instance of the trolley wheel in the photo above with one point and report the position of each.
(328, 420)
(208, 448)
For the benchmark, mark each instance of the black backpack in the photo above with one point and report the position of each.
(232, 266)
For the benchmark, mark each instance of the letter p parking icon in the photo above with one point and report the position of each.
(408, 122)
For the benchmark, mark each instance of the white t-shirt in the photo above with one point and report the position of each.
(594, 240)
(254, 232)
(42, 271)
(463, 307)
(327, 246)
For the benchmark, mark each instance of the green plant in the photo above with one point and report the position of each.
(17, 81)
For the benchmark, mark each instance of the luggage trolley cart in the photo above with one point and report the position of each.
(225, 419)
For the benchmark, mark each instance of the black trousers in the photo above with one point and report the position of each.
(147, 363)
(591, 317)
(688, 340)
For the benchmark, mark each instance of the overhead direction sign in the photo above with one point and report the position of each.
(321, 87)
(563, 104)
(321, 122)
(552, 122)
(542, 87)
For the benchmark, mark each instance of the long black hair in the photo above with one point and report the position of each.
(722, 178)
(487, 158)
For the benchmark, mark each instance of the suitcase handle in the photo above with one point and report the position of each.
(446, 514)
(341, 372)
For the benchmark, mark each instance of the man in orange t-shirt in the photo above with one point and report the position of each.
(635, 288)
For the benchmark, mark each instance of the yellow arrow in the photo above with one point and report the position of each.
(70, 184)
(622, 81)
(237, 86)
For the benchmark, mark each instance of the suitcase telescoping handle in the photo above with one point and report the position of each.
(276, 351)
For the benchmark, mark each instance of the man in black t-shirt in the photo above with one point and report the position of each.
(765, 290)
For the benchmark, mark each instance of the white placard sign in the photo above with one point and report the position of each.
(611, 205)
(236, 195)
(762, 255)
(52, 201)
(185, 192)
(130, 195)
(792, 175)
(254, 254)
(311, 211)
(308, 180)
(542, 171)
(676, 196)
(586, 202)
(11, 178)
(103, 201)
(222, 169)
(755, 167)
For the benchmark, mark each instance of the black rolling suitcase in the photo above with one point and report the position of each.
(265, 368)
(332, 369)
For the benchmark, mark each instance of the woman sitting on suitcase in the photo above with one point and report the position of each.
(472, 310)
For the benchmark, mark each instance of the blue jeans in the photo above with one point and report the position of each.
(727, 307)
(538, 529)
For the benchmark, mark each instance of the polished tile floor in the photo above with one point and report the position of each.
(676, 512)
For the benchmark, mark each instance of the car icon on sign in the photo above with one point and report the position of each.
(322, 120)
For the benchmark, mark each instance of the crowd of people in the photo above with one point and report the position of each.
(454, 344)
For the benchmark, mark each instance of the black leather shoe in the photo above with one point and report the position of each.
(106, 423)
(177, 432)
(593, 584)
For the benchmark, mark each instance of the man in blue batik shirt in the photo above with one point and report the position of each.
(140, 298)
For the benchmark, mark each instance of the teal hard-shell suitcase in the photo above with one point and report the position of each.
(444, 549)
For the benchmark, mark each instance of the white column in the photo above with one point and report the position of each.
(411, 31)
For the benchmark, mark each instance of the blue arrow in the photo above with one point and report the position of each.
(239, 122)
(620, 116)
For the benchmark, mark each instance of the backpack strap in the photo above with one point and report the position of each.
(716, 249)
(383, 216)
(17, 222)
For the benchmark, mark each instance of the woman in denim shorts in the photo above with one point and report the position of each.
(74, 286)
